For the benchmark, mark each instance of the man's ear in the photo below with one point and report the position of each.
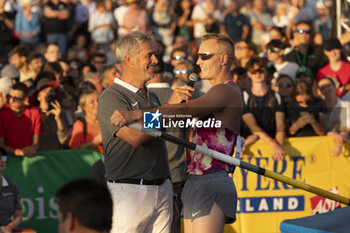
(224, 59)
(71, 222)
(129, 59)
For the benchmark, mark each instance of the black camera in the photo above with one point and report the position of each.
(51, 99)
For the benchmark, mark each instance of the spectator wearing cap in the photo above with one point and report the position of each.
(275, 51)
(10, 201)
(20, 125)
(28, 25)
(54, 120)
(337, 117)
(305, 53)
(337, 68)
(5, 87)
(12, 72)
(18, 58)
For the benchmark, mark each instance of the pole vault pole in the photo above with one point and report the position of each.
(238, 163)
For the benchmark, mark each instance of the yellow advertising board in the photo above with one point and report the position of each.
(264, 203)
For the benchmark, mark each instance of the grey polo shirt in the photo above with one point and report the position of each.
(176, 154)
(9, 201)
(122, 161)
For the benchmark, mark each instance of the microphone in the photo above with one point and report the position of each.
(192, 80)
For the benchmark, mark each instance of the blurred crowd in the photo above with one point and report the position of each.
(56, 57)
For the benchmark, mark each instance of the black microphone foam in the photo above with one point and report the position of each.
(192, 80)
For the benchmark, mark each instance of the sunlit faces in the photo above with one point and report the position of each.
(302, 33)
(52, 53)
(178, 56)
(241, 50)
(326, 87)
(147, 60)
(90, 107)
(36, 64)
(209, 67)
(43, 97)
(17, 61)
(16, 98)
(285, 86)
(257, 73)
(274, 53)
(333, 55)
(181, 70)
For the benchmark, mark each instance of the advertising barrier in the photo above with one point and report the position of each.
(39, 178)
(263, 203)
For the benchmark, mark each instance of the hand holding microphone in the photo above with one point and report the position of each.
(192, 79)
(184, 93)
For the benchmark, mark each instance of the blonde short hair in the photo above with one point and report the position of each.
(83, 96)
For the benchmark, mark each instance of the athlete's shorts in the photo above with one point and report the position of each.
(202, 191)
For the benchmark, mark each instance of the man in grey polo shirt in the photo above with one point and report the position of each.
(136, 164)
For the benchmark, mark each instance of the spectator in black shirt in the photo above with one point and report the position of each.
(6, 27)
(56, 14)
(263, 112)
(306, 112)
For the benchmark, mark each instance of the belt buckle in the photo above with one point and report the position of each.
(141, 182)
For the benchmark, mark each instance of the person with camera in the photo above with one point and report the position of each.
(55, 127)
(20, 125)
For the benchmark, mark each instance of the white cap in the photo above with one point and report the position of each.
(5, 85)
(320, 4)
(24, 3)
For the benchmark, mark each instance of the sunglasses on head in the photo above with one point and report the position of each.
(177, 72)
(4, 158)
(261, 70)
(15, 99)
(273, 50)
(179, 57)
(281, 85)
(207, 56)
(301, 31)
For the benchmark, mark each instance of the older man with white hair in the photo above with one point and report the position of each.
(5, 87)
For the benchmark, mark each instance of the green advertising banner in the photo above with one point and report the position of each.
(39, 178)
